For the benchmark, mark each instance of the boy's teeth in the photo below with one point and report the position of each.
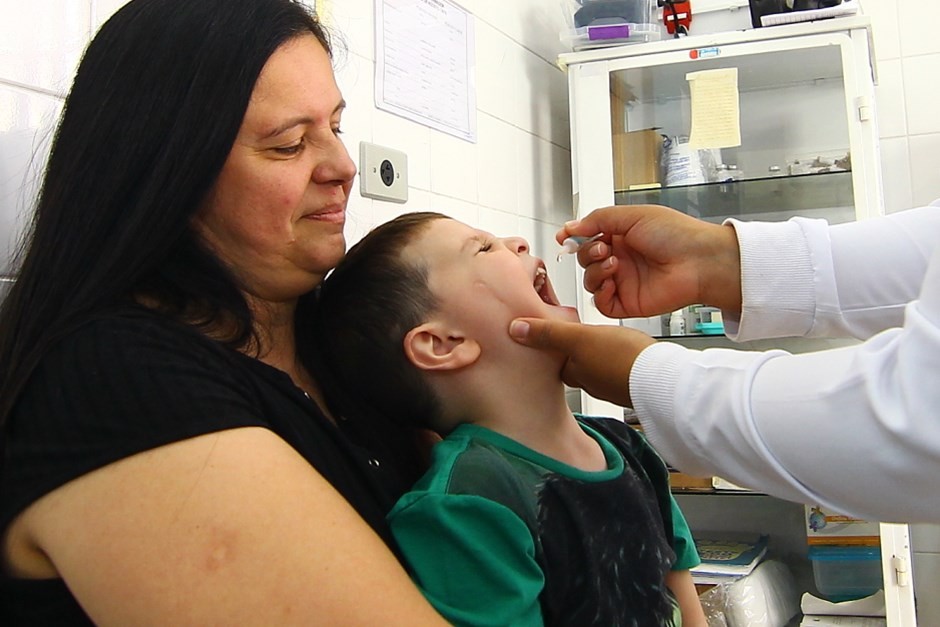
(540, 278)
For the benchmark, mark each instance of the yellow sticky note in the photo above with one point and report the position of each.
(716, 116)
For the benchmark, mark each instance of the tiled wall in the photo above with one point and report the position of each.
(908, 53)
(516, 179)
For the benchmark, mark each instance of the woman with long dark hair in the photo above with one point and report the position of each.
(166, 456)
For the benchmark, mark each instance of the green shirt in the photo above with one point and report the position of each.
(498, 534)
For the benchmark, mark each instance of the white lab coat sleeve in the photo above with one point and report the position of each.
(855, 429)
(847, 280)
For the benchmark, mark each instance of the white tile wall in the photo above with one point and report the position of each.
(27, 118)
(884, 16)
(516, 179)
(454, 167)
(917, 21)
(920, 93)
(353, 23)
(908, 54)
(498, 146)
(925, 186)
(890, 101)
(101, 10)
(411, 138)
(41, 42)
(896, 174)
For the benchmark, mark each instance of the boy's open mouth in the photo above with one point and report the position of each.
(543, 287)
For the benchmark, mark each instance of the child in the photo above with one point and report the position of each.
(527, 514)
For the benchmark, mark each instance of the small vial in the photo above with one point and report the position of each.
(574, 243)
(677, 323)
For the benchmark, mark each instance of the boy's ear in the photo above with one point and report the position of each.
(432, 346)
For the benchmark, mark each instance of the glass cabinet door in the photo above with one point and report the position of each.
(808, 139)
(808, 136)
(794, 157)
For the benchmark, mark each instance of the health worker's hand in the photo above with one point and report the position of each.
(599, 358)
(653, 260)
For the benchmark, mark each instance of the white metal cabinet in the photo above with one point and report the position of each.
(804, 90)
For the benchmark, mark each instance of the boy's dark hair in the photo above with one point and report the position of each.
(151, 117)
(366, 306)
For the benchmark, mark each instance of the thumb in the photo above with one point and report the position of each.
(598, 358)
(545, 334)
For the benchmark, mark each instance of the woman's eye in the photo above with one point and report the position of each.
(485, 247)
(293, 149)
(337, 130)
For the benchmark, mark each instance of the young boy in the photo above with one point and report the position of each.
(528, 515)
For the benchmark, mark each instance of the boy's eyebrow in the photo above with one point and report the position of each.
(479, 239)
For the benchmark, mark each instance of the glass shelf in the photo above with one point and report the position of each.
(823, 195)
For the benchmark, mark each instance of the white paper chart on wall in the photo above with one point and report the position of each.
(424, 64)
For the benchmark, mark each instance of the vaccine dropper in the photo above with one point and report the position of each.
(574, 243)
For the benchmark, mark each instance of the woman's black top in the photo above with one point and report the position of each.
(132, 380)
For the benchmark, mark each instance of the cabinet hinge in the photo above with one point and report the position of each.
(901, 570)
(863, 106)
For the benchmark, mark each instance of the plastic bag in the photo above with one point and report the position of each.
(766, 598)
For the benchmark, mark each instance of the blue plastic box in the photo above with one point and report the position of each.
(844, 573)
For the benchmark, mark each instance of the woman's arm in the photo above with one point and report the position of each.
(231, 527)
(682, 587)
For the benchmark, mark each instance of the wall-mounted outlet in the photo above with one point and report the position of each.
(383, 173)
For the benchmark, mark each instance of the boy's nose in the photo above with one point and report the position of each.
(517, 245)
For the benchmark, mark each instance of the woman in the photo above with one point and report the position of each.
(166, 459)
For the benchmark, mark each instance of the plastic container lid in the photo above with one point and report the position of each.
(844, 553)
(710, 328)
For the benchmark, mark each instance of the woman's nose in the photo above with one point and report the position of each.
(336, 165)
(517, 245)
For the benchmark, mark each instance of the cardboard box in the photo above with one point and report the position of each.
(681, 482)
(825, 527)
(637, 156)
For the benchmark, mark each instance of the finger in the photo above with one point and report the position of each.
(593, 252)
(605, 299)
(579, 227)
(596, 273)
(545, 334)
(615, 220)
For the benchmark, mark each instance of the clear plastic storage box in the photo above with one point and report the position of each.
(599, 23)
(844, 573)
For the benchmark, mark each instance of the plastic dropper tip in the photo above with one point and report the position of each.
(574, 243)
(569, 246)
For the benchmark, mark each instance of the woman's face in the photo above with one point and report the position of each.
(275, 215)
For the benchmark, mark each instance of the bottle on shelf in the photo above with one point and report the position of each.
(677, 323)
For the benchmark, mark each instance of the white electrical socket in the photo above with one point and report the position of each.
(383, 173)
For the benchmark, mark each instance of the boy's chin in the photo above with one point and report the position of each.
(564, 313)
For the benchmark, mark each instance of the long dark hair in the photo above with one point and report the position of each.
(153, 112)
